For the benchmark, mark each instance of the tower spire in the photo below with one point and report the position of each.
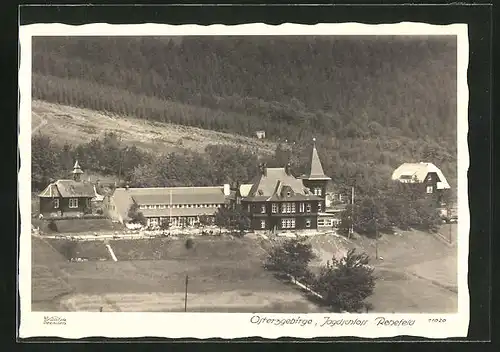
(315, 167)
(77, 171)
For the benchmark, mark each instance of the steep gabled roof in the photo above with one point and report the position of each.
(269, 185)
(315, 171)
(68, 189)
(71, 188)
(417, 172)
(50, 192)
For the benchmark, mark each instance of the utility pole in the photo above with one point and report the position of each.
(351, 230)
(186, 295)
(449, 229)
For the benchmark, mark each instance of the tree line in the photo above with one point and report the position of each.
(109, 156)
(332, 84)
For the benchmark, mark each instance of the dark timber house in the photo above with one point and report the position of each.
(67, 197)
(426, 178)
(279, 201)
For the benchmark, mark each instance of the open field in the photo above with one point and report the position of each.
(418, 273)
(76, 125)
(225, 275)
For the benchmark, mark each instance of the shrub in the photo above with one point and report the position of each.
(291, 258)
(68, 249)
(189, 243)
(53, 226)
(346, 283)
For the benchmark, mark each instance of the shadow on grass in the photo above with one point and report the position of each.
(311, 297)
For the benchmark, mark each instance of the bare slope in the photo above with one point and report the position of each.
(76, 125)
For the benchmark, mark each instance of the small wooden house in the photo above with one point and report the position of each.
(425, 177)
(67, 197)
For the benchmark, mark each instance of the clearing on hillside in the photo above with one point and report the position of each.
(225, 275)
(76, 125)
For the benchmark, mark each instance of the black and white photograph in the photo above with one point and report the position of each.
(306, 178)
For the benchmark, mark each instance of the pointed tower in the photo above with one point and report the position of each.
(315, 179)
(77, 172)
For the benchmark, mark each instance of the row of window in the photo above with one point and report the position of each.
(174, 221)
(287, 223)
(328, 222)
(288, 208)
(73, 203)
(167, 206)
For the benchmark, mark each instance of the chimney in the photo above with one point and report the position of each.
(288, 169)
(227, 189)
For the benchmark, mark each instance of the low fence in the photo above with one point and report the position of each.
(72, 217)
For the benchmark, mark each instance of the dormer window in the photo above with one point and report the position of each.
(288, 194)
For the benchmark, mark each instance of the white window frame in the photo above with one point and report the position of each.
(73, 203)
(302, 207)
(288, 208)
(430, 189)
(56, 203)
(263, 224)
(263, 209)
(317, 191)
(288, 223)
(274, 208)
(308, 207)
(320, 207)
(308, 223)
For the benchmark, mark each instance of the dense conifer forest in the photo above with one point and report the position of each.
(371, 102)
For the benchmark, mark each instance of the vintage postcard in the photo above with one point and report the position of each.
(243, 181)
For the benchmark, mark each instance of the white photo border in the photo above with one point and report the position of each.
(236, 325)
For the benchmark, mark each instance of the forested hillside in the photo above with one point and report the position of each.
(372, 103)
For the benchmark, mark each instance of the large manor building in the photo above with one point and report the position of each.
(276, 200)
(279, 201)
